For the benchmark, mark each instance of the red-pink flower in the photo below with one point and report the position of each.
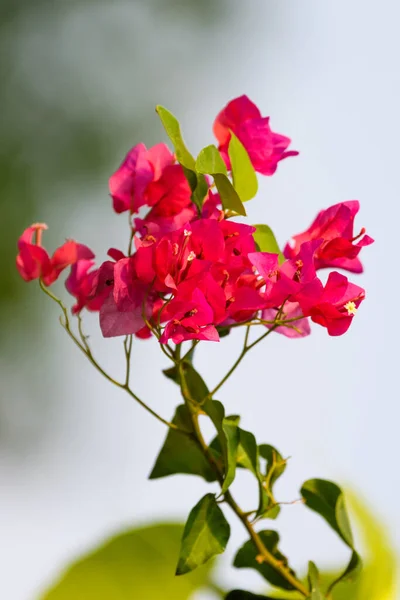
(140, 167)
(33, 261)
(332, 306)
(291, 310)
(190, 319)
(169, 194)
(243, 118)
(80, 284)
(282, 282)
(340, 247)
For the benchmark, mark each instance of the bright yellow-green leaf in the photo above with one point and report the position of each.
(136, 565)
(313, 578)
(173, 130)
(210, 162)
(197, 182)
(243, 173)
(266, 241)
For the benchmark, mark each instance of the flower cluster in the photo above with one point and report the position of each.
(195, 271)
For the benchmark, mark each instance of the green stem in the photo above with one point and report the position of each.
(85, 349)
(241, 356)
(269, 558)
(128, 349)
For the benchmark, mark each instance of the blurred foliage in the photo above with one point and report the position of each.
(141, 564)
(378, 579)
(138, 564)
(55, 130)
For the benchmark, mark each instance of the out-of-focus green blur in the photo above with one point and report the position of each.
(62, 63)
(141, 563)
(77, 91)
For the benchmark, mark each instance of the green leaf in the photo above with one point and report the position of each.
(206, 534)
(248, 555)
(173, 130)
(266, 241)
(272, 513)
(276, 466)
(230, 427)
(210, 161)
(243, 173)
(249, 459)
(313, 578)
(137, 564)
(379, 577)
(180, 453)
(194, 384)
(197, 182)
(326, 499)
(172, 372)
(229, 196)
(228, 435)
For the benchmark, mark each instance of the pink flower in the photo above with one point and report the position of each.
(191, 319)
(335, 227)
(140, 167)
(284, 282)
(291, 310)
(169, 194)
(80, 284)
(33, 261)
(332, 306)
(128, 298)
(243, 118)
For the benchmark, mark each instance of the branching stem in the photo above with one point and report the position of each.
(84, 347)
(269, 558)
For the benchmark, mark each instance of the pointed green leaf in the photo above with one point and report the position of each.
(230, 427)
(229, 196)
(243, 173)
(248, 451)
(181, 453)
(206, 534)
(313, 578)
(248, 557)
(173, 130)
(266, 241)
(351, 571)
(276, 466)
(198, 185)
(228, 436)
(326, 498)
(194, 385)
(136, 564)
(249, 459)
(210, 161)
(197, 182)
